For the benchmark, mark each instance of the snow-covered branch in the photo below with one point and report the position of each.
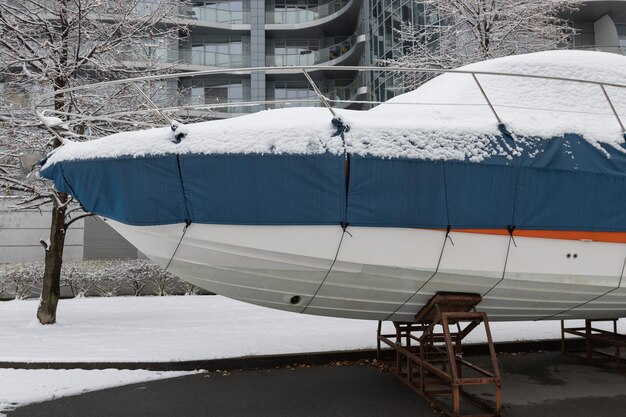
(50, 46)
(459, 32)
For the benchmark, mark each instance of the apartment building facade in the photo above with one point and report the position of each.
(256, 33)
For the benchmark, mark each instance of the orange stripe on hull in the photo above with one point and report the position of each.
(612, 237)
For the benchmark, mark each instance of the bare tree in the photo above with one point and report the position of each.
(21, 279)
(190, 289)
(138, 272)
(79, 280)
(163, 282)
(459, 32)
(110, 280)
(51, 45)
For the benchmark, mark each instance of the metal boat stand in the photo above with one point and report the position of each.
(602, 347)
(429, 357)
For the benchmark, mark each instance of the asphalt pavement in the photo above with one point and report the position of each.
(541, 384)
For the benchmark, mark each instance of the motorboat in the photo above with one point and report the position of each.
(505, 178)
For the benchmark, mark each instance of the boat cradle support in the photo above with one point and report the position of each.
(429, 356)
(605, 348)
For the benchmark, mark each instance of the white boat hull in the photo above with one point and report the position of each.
(390, 273)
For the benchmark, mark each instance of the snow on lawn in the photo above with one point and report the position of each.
(21, 386)
(446, 118)
(150, 329)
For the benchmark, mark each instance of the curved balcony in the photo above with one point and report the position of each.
(356, 90)
(190, 58)
(333, 55)
(214, 15)
(304, 14)
(220, 106)
(335, 16)
(205, 15)
(212, 59)
(309, 100)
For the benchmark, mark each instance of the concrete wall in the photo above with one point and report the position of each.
(102, 242)
(606, 34)
(21, 231)
(91, 238)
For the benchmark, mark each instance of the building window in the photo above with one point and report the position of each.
(221, 11)
(218, 51)
(298, 11)
(386, 19)
(216, 91)
(292, 94)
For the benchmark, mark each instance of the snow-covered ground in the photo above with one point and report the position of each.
(143, 329)
(20, 386)
(149, 329)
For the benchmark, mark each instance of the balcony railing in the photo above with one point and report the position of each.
(602, 48)
(312, 57)
(189, 57)
(303, 14)
(215, 102)
(306, 100)
(212, 59)
(309, 101)
(214, 15)
(347, 92)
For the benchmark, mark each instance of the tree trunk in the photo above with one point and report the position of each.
(51, 290)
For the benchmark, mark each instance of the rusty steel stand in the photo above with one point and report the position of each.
(429, 357)
(602, 347)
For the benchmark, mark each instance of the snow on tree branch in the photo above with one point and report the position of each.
(50, 46)
(459, 32)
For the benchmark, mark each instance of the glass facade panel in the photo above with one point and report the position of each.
(386, 19)
(300, 11)
(217, 51)
(153, 51)
(292, 94)
(217, 91)
(220, 11)
(281, 52)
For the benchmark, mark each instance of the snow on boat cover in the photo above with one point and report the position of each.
(369, 215)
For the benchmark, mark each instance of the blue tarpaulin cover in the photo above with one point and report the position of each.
(558, 184)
